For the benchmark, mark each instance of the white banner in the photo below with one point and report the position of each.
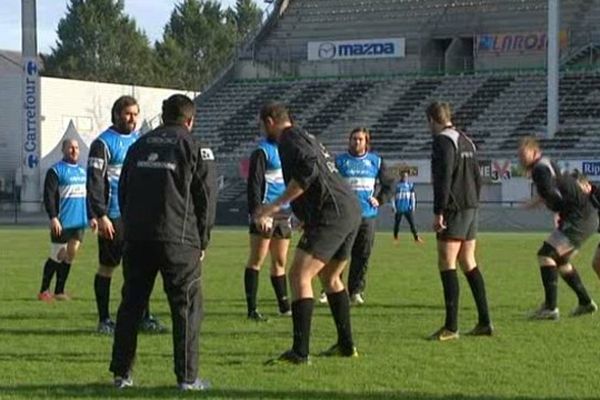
(356, 49)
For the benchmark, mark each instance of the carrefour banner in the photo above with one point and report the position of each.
(525, 42)
(356, 49)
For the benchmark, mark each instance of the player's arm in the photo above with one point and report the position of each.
(386, 182)
(546, 188)
(96, 179)
(123, 183)
(442, 166)
(413, 198)
(201, 189)
(51, 201)
(256, 180)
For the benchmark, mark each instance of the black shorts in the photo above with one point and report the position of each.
(110, 252)
(282, 229)
(67, 235)
(577, 232)
(460, 225)
(330, 241)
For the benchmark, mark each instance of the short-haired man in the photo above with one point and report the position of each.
(330, 215)
(167, 190)
(107, 154)
(577, 222)
(404, 205)
(64, 200)
(456, 187)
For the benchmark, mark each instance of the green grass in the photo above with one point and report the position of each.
(50, 351)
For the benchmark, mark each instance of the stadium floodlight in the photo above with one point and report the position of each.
(30, 121)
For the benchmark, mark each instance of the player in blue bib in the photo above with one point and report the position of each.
(65, 204)
(107, 154)
(367, 176)
(404, 205)
(265, 184)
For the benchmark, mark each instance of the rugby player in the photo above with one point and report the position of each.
(577, 222)
(404, 204)
(330, 215)
(65, 204)
(456, 187)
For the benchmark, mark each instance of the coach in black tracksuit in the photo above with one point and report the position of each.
(456, 186)
(167, 193)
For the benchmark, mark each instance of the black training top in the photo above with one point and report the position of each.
(560, 192)
(255, 189)
(455, 172)
(168, 187)
(51, 195)
(327, 196)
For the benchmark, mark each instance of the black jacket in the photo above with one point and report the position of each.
(168, 189)
(455, 172)
(327, 197)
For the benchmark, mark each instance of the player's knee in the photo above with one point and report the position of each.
(106, 271)
(565, 269)
(277, 269)
(547, 255)
(58, 252)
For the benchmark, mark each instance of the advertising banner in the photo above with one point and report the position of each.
(356, 49)
(525, 42)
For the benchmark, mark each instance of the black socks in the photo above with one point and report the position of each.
(102, 291)
(477, 285)
(251, 287)
(50, 267)
(339, 303)
(302, 311)
(550, 281)
(280, 288)
(573, 279)
(451, 292)
(62, 273)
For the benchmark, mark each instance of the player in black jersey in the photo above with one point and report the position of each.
(456, 186)
(577, 222)
(330, 214)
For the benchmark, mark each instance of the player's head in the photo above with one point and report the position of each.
(403, 176)
(359, 141)
(124, 114)
(529, 151)
(274, 118)
(179, 110)
(70, 150)
(583, 181)
(439, 116)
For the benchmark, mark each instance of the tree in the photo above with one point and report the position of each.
(197, 42)
(247, 17)
(97, 41)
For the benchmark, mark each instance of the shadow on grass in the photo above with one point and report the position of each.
(50, 332)
(103, 391)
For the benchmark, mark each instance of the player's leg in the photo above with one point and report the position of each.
(51, 266)
(278, 248)
(596, 262)
(109, 259)
(140, 266)
(259, 248)
(470, 268)
(182, 283)
(571, 277)
(359, 264)
(413, 228)
(62, 274)
(448, 250)
(397, 220)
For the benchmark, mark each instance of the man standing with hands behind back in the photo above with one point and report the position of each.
(167, 193)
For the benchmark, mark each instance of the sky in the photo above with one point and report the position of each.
(150, 15)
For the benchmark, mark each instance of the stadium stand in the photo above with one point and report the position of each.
(495, 105)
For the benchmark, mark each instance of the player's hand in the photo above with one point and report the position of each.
(268, 210)
(374, 202)
(557, 221)
(55, 227)
(265, 224)
(439, 224)
(94, 225)
(106, 228)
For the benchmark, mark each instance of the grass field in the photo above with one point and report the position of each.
(51, 351)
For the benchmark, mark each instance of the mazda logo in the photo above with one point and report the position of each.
(327, 50)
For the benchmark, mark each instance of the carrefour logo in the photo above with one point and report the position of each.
(31, 68)
(32, 161)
